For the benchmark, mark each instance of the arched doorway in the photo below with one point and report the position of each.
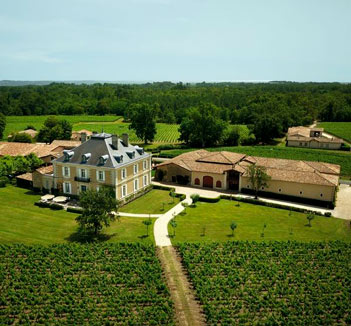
(218, 184)
(207, 182)
(197, 181)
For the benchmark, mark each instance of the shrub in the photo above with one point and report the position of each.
(327, 214)
(209, 200)
(56, 206)
(74, 210)
(42, 204)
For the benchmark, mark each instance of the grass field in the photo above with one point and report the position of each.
(166, 134)
(99, 284)
(336, 157)
(21, 221)
(250, 219)
(18, 123)
(154, 202)
(339, 129)
(277, 283)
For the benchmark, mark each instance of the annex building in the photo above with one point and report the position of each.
(102, 160)
(312, 138)
(315, 181)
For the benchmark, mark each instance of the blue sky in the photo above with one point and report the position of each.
(178, 40)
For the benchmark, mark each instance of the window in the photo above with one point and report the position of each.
(100, 175)
(280, 190)
(83, 188)
(135, 168)
(124, 190)
(197, 181)
(145, 180)
(136, 184)
(262, 188)
(300, 144)
(83, 173)
(300, 192)
(65, 171)
(47, 184)
(321, 195)
(219, 184)
(144, 165)
(66, 187)
(123, 174)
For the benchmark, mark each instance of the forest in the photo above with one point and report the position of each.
(238, 103)
(204, 111)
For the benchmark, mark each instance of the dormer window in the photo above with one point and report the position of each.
(131, 154)
(67, 154)
(139, 150)
(119, 158)
(86, 157)
(103, 159)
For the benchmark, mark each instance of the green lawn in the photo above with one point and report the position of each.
(250, 219)
(339, 129)
(151, 203)
(21, 221)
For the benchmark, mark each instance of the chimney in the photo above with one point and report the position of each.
(115, 142)
(83, 137)
(125, 139)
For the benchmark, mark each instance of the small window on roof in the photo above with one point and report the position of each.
(86, 157)
(103, 159)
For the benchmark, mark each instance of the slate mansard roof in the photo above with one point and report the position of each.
(100, 145)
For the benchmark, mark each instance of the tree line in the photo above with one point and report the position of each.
(239, 103)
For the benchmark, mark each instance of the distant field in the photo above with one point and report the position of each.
(18, 123)
(167, 134)
(336, 157)
(339, 129)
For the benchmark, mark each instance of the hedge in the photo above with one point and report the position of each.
(74, 210)
(48, 205)
(269, 204)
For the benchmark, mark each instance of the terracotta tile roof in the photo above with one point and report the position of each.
(65, 143)
(317, 139)
(279, 169)
(30, 132)
(88, 132)
(26, 176)
(223, 157)
(46, 169)
(299, 131)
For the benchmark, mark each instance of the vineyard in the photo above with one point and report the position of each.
(83, 285)
(18, 123)
(339, 129)
(166, 133)
(335, 157)
(277, 283)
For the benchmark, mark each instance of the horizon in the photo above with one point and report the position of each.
(166, 40)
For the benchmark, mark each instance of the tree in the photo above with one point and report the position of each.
(310, 217)
(185, 205)
(267, 127)
(2, 124)
(202, 127)
(232, 137)
(172, 194)
(97, 210)
(258, 178)
(20, 137)
(173, 225)
(54, 129)
(233, 226)
(147, 223)
(142, 117)
(195, 198)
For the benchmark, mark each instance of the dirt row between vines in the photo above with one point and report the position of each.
(187, 308)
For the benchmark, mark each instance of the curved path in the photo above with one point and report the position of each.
(161, 224)
(138, 215)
